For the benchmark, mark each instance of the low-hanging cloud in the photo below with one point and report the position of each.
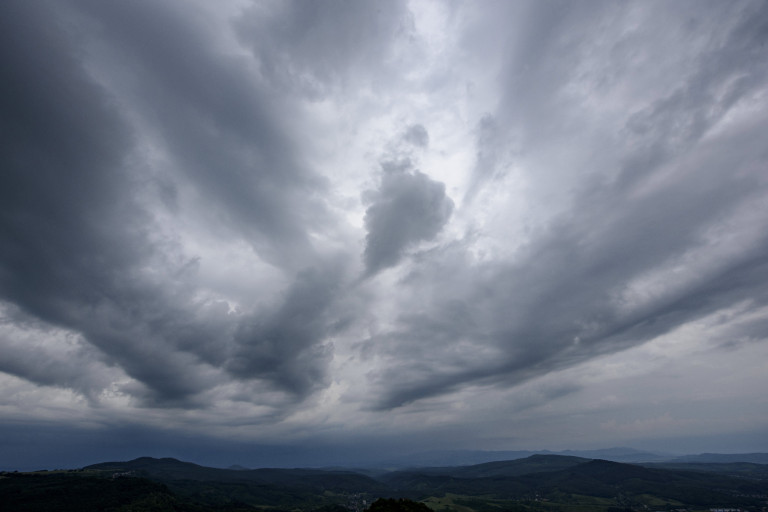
(408, 208)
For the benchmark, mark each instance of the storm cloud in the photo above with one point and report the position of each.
(290, 223)
(407, 208)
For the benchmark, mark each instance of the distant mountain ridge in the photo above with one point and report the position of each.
(349, 480)
(620, 454)
(448, 458)
(456, 458)
(533, 464)
(470, 457)
(170, 469)
(755, 458)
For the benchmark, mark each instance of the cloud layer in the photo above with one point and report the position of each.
(351, 220)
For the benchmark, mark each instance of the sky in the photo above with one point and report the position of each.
(307, 233)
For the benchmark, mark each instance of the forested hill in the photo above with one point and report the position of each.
(533, 464)
(168, 469)
(564, 483)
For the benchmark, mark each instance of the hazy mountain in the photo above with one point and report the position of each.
(471, 457)
(450, 458)
(533, 464)
(737, 469)
(755, 458)
(620, 454)
(444, 458)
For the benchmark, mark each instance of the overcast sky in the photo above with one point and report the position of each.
(237, 231)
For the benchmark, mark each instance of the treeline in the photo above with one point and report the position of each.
(68, 492)
(78, 492)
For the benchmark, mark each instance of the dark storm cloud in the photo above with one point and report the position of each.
(408, 208)
(77, 236)
(63, 215)
(286, 346)
(220, 125)
(567, 298)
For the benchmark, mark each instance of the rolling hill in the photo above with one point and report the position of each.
(564, 483)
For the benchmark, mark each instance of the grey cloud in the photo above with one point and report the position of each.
(408, 208)
(287, 347)
(62, 186)
(315, 49)
(560, 302)
(489, 163)
(718, 80)
(417, 135)
(222, 128)
(79, 248)
(72, 363)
